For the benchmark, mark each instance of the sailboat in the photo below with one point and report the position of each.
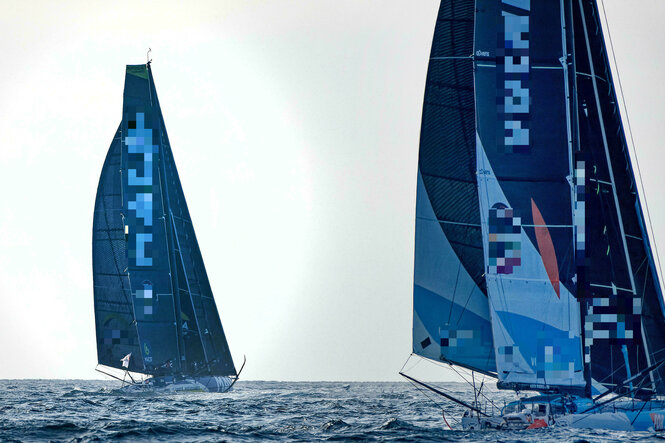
(155, 314)
(533, 263)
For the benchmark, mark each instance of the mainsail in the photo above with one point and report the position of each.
(528, 216)
(152, 295)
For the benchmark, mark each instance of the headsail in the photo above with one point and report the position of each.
(159, 287)
(451, 315)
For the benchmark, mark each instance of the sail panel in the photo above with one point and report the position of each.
(451, 315)
(446, 159)
(525, 194)
(535, 322)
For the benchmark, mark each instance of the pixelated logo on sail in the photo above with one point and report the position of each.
(580, 212)
(506, 354)
(116, 337)
(505, 230)
(554, 360)
(512, 61)
(614, 318)
(115, 331)
(453, 338)
(141, 163)
(143, 302)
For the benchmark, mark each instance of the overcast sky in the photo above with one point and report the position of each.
(295, 127)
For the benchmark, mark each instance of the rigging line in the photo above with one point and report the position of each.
(421, 389)
(632, 142)
(475, 225)
(443, 394)
(638, 414)
(452, 303)
(473, 287)
(606, 146)
(610, 376)
(172, 262)
(571, 149)
(189, 291)
(426, 394)
(452, 58)
(451, 366)
(598, 405)
(584, 74)
(407, 360)
(646, 274)
(606, 214)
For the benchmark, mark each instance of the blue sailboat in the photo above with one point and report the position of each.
(533, 263)
(155, 313)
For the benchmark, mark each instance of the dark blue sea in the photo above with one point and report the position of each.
(82, 410)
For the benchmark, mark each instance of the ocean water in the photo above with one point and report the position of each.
(82, 410)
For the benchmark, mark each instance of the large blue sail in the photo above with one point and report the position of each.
(526, 198)
(619, 288)
(163, 311)
(451, 316)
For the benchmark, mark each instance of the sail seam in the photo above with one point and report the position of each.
(460, 57)
(447, 221)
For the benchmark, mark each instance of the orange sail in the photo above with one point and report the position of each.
(546, 247)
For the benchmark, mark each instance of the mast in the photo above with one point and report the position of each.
(189, 291)
(577, 171)
(579, 192)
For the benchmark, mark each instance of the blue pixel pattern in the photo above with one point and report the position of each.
(141, 164)
(505, 232)
(143, 302)
(513, 99)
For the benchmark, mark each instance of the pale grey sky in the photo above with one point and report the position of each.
(294, 126)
